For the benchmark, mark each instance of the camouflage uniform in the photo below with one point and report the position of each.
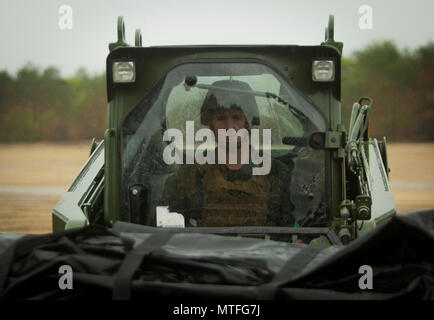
(215, 196)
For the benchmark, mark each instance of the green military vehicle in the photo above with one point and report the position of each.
(297, 173)
(226, 173)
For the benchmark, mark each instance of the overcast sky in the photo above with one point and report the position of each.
(30, 29)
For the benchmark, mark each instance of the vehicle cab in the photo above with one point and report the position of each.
(295, 171)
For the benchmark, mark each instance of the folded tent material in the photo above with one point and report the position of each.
(127, 261)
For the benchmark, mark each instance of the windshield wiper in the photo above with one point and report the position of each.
(191, 81)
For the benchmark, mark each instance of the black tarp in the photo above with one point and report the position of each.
(123, 263)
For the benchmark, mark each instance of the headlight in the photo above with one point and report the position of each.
(124, 71)
(323, 70)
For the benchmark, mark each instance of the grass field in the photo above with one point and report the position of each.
(34, 176)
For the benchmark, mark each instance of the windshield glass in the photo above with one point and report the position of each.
(223, 145)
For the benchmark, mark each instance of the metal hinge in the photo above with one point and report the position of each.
(336, 140)
(333, 140)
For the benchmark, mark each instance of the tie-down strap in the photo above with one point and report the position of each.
(132, 261)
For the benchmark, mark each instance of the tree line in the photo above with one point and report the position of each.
(401, 83)
(42, 105)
